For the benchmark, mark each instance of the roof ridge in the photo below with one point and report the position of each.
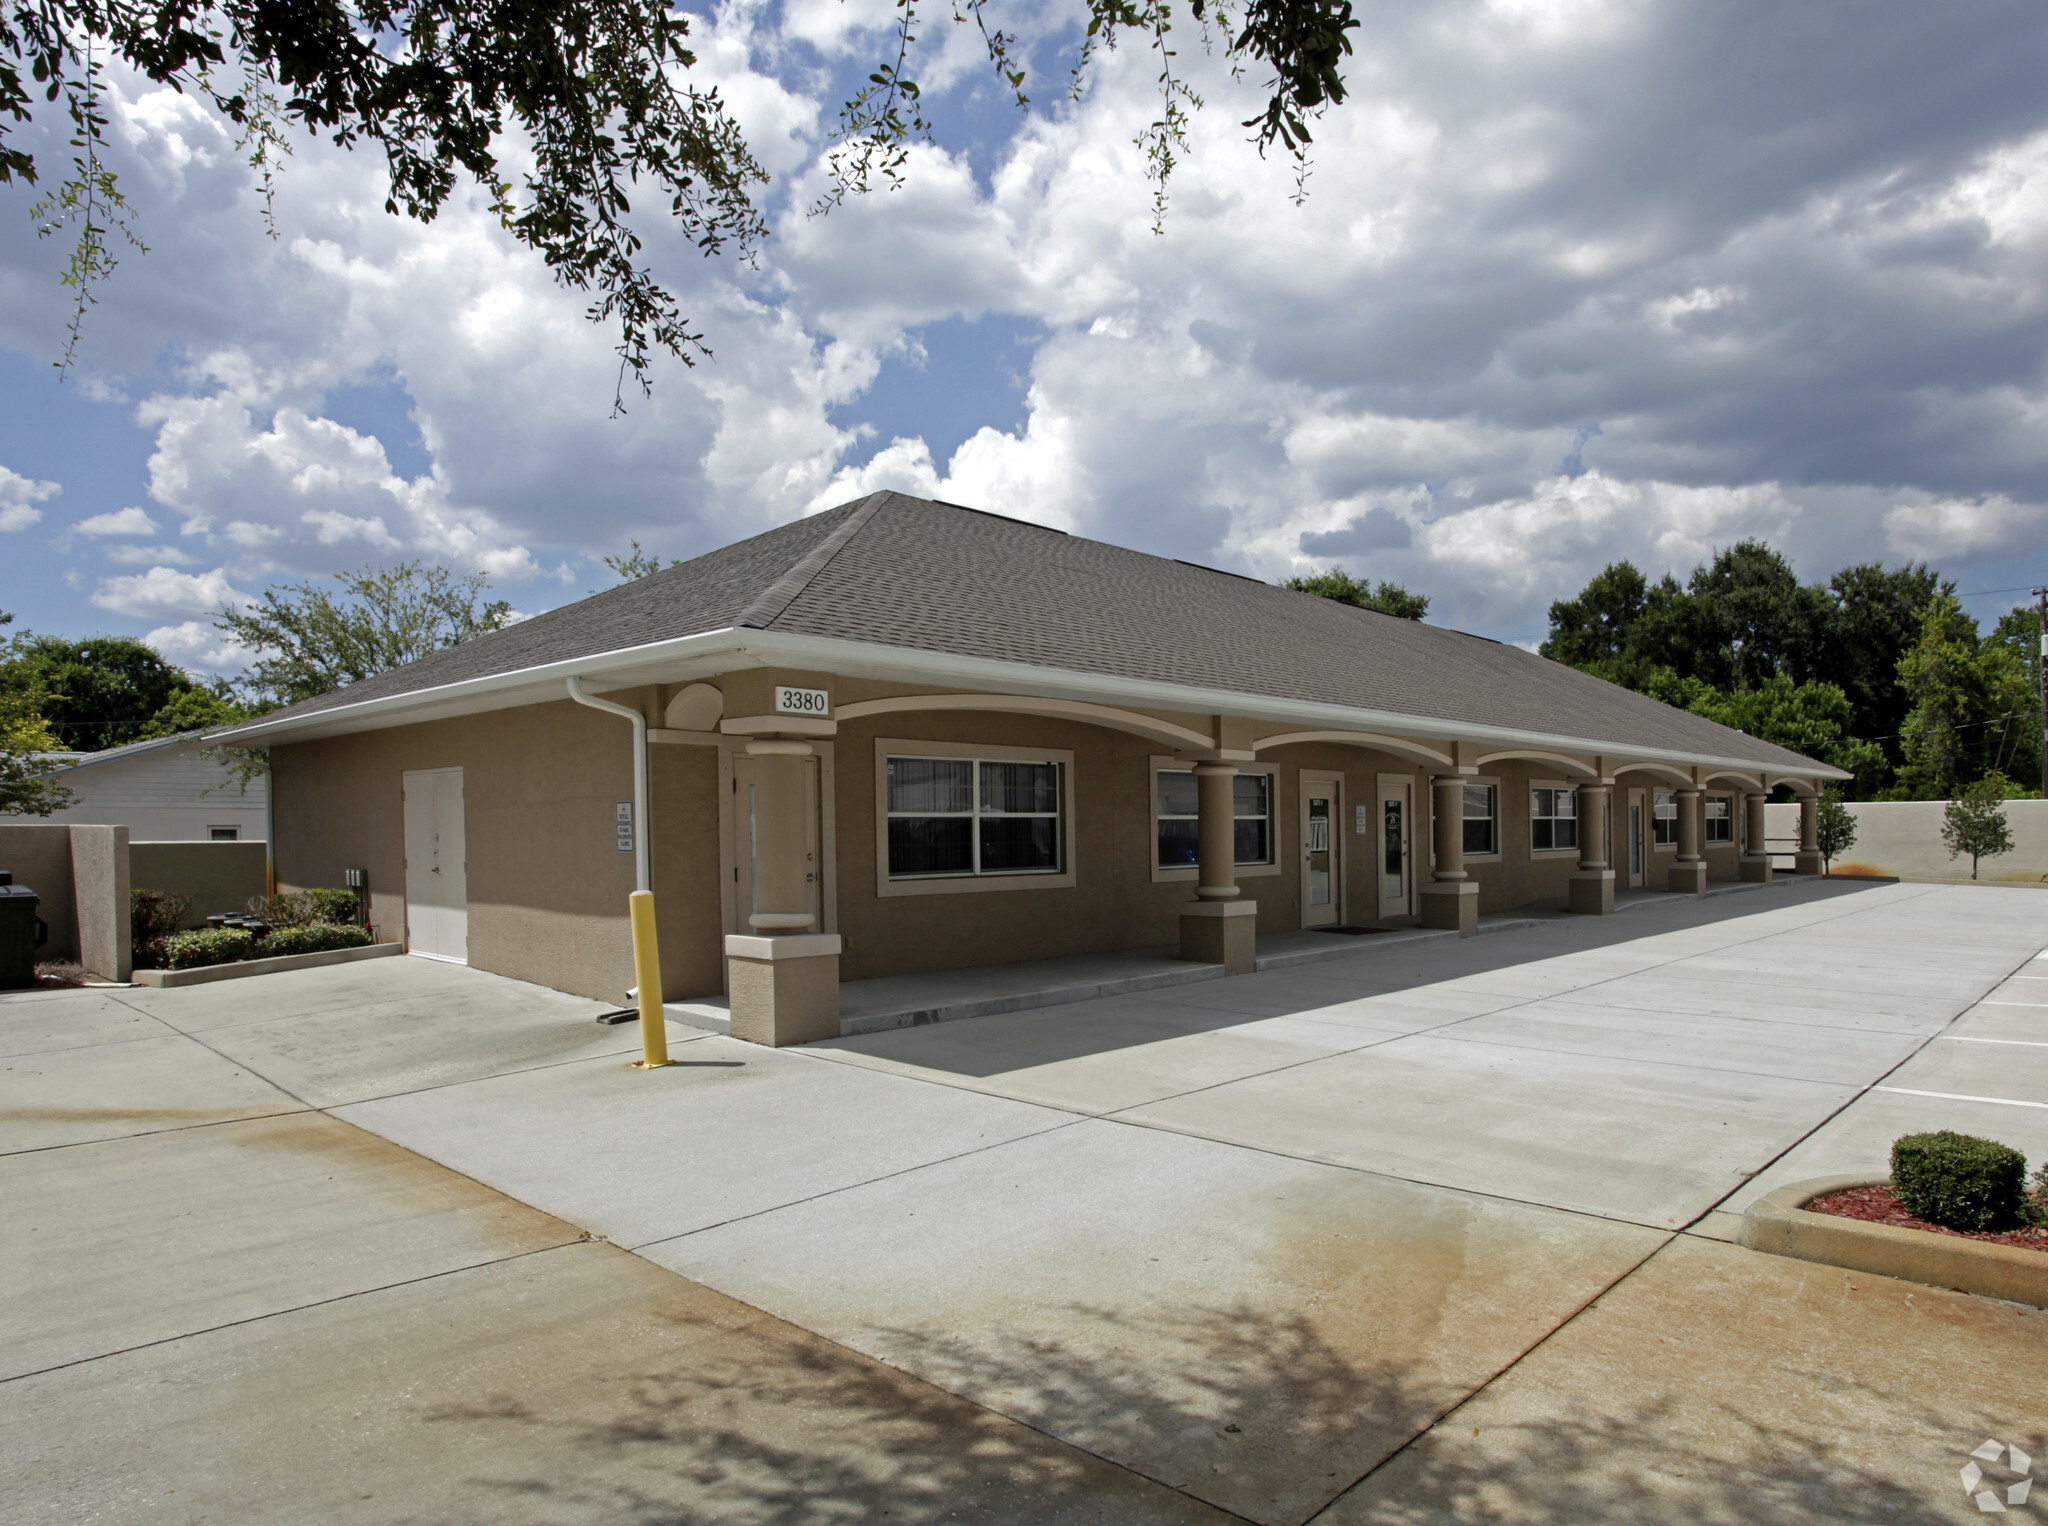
(785, 590)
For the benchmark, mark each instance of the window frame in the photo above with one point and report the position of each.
(1187, 873)
(213, 833)
(1491, 782)
(1657, 797)
(1571, 852)
(977, 753)
(1707, 819)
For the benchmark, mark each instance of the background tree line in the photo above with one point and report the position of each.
(1878, 670)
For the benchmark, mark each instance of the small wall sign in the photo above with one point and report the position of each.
(625, 826)
(1363, 824)
(802, 701)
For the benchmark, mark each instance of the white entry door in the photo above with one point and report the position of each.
(745, 774)
(1395, 890)
(1322, 841)
(436, 866)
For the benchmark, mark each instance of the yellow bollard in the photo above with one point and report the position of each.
(647, 969)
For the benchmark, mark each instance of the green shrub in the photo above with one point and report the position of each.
(2035, 1208)
(305, 908)
(209, 945)
(317, 938)
(335, 906)
(153, 915)
(1958, 1181)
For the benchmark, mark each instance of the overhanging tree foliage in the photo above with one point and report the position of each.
(309, 641)
(597, 91)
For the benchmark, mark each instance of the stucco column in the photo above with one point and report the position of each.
(1808, 860)
(1592, 888)
(1450, 900)
(1689, 874)
(1216, 824)
(1756, 858)
(782, 978)
(1218, 927)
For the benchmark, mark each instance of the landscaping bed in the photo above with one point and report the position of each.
(1879, 1204)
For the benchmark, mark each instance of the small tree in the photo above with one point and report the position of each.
(1835, 830)
(1975, 822)
(309, 642)
(26, 788)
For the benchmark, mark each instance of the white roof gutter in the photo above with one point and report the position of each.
(829, 654)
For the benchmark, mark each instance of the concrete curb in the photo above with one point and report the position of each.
(1779, 1224)
(206, 974)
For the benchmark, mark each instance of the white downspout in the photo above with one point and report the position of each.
(640, 861)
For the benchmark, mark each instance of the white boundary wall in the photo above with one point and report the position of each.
(1902, 839)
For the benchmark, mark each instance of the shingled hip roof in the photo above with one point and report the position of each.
(905, 586)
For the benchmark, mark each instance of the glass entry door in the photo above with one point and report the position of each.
(1637, 849)
(1393, 851)
(1322, 878)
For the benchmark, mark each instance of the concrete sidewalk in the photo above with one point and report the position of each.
(1274, 1246)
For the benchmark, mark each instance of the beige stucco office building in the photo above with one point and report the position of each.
(903, 736)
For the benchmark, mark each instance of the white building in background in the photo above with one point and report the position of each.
(162, 790)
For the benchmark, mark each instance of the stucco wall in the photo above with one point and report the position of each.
(219, 876)
(1901, 839)
(39, 856)
(547, 884)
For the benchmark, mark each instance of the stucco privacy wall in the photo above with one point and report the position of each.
(547, 883)
(39, 856)
(219, 876)
(1902, 839)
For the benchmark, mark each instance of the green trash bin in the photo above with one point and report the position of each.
(22, 932)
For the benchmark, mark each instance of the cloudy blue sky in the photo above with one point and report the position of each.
(1576, 280)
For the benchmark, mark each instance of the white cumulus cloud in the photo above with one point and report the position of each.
(19, 496)
(129, 521)
(164, 592)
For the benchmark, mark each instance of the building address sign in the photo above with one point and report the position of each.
(802, 701)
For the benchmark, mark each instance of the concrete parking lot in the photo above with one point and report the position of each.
(1439, 1232)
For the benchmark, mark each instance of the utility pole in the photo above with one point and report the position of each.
(2041, 673)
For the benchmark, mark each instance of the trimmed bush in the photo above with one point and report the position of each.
(209, 945)
(336, 906)
(315, 939)
(304, 908)
(1958, 1181)
(153, 915)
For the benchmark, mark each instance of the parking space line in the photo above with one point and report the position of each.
(1958, 1096)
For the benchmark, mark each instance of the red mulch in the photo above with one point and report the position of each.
(1876, 1205)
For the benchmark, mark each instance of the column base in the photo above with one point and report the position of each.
(1221, 932)
(1756, 870)
(784, 990)
(1451, 907)
(1688, 879)
(1808, 862)
(1592, 892)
